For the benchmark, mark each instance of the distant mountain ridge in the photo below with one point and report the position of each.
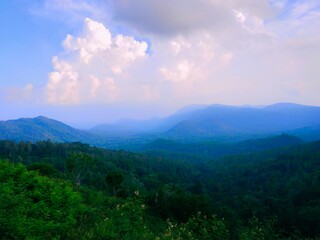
(224, 120)
(192, 123)
(216, 120)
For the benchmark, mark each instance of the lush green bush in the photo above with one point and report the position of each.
(35, 207)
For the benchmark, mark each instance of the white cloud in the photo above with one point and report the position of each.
(95, 59)
(86, 72)
(180, 72)
(200, 51)
(191, 59)
(96, 38)
(104, 89)
(240, 16)
(178, 44)
(63, 85)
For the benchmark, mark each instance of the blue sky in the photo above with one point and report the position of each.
(88, 62)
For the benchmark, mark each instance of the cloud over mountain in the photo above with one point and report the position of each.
(193, 51)
(142, 53)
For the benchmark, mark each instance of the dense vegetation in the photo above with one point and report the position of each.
(206, 150)
(74, 191)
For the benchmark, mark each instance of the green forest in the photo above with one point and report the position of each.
(74, 191)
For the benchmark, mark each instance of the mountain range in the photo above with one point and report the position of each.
(190, 124)
(213, 121)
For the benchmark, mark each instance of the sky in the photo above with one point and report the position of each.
(91, 62)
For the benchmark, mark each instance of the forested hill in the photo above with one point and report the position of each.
(43, 128)
(84, 192)
(199, 151)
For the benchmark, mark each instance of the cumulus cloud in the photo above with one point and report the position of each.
(200, 51)
(96, 67)
(87, 69)
(180, 72)
(190, 59)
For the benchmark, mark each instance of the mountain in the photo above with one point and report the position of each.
(190, 124)
(42, 128)
(218, 120)
(125, 127)
(223, 122)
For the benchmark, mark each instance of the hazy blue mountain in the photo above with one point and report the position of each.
(42, 128)
(217, 120)
(129, 127)
(191, 124)
(200, 121)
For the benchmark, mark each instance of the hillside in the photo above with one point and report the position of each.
(270, 194)
(206, 150)
(42, 128)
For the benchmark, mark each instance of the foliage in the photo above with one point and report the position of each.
(33, 206)
(197, 227)
(126, 220)
(259, 231)
(74, 191)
